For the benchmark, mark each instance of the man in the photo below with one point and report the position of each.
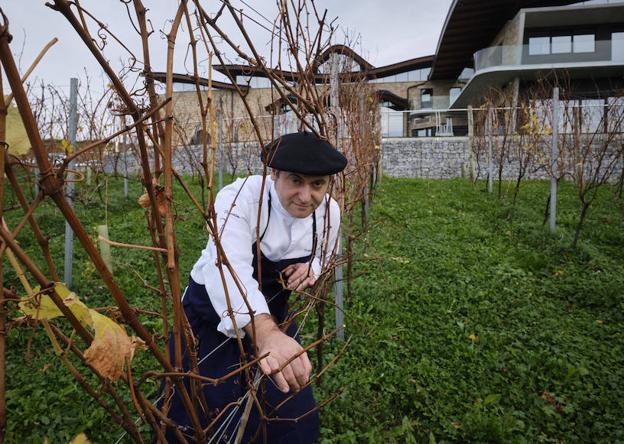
(297, 231)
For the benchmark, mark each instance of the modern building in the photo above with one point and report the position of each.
(579, 43)
(503, 45)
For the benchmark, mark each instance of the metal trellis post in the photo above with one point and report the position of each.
(488, 135)
(72, 128)
(554, 155)
(220, 148)
(334, 95)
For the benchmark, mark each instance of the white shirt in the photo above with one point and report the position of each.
(286, 237)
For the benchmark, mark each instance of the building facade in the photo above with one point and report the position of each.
(506, 46)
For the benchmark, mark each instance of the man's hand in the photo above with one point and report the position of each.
(299, 276)
(281, 348)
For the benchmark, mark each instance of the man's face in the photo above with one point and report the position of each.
(299, 194)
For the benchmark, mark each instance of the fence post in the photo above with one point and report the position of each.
(72, 128)
(335, 97)
(488, 141)
(366, 191)
(125, 148)
(220, 147)
(471, 171)
(554, 157)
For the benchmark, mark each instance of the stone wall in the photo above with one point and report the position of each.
(237, 158)
(447, 157)
(423, 157)
(427, 157)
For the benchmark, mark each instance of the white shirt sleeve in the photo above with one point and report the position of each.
(236, 225)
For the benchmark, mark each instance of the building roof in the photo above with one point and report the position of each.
(395, 102)
(366, 68)
(471, 25)
(187, 78)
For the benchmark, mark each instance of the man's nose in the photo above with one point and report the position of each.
(305, 194)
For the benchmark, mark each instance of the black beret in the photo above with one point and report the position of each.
(303, 153)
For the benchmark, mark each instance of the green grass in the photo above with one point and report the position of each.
(470, 322)
(469, 327)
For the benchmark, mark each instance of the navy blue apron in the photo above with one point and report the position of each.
(219, 355)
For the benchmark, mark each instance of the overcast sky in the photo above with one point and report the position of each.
(386, 31)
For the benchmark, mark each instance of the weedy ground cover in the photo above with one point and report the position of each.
(469, 321)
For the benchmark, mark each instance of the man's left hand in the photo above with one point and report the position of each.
(299, 276)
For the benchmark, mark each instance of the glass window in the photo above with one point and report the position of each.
(242, 80)
(539, 45)
(593, 115)
(561, 44)
(401, 77)
(584, 43)
(425, 132)
(414, 76)
(466, 74)
(426, 98)
(615, 111)
(391, 123)
(453, 94)
(617, 46)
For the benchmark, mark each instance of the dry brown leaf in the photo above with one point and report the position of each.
(111, 348)
(161, 201)
(144, 200)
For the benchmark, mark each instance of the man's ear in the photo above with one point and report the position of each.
(274, 174)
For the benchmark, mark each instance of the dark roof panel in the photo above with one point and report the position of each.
(472, 25)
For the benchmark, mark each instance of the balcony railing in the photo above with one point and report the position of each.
(508, 55)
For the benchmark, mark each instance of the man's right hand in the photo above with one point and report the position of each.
(281, 348)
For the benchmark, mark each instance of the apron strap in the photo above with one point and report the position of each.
(268, 218)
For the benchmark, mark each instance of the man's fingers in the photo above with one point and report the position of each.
(308, 282)
(281, 383)
(307, 365)
(270, 367)
(289, 375)
(297, 274)
(289, 269)
(265, 367)
(300, 371)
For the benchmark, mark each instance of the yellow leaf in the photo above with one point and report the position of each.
(473, 337)
(67, 147)
(111, 348)
(80, 439)
(42, 307)
(78, 308)
(16, 135)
